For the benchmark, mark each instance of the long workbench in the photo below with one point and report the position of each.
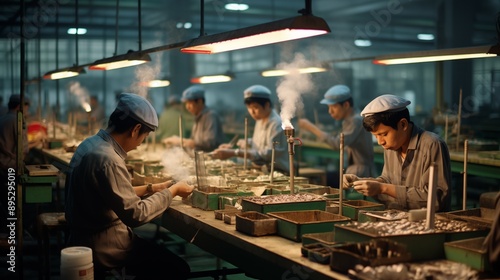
(265, 257)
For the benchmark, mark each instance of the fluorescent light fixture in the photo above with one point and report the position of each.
(131, 58)
(156, 83)
(236, 7)
(284, 72)
(438, 55)
(362, 43)
(425, 37)
(209, 79)
(64, 73)
(268, 33)
(79, 31)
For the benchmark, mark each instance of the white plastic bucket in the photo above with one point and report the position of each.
(76, 263)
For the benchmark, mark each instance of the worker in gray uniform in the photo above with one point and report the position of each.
(102, 206)
(358, 141)
(409, 152)
(267, 132)
(207, 133)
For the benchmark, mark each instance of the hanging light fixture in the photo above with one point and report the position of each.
(131, 58)
(444, 54)
(304, 70)
(164, 82)
(209, 79)
(438, 55)
(71, 71)
(303, 26)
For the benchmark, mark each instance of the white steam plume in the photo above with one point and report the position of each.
(145, 73)
(81, 95)
(177, 163)
(291, 88)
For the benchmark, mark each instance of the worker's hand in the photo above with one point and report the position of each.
(348, 180)
(368, 187)
(172, 140)
(181, 189)
(305, 124)
(158, 187)
(241, 143)
(222, 153)
(225, 146)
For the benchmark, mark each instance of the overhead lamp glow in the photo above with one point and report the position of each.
(283, 72)
(131, 58)
(236, 7)
(156, 83)
(268, 33)
(362, 43)
(64, 73)
(78, 31)
(439, 55)
(425, 37)
(209, 79)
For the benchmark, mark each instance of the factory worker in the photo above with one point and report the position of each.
(102, 207)
(409, 151)
(267, 131)
(357, 140)
(492, 241)
(206, 134)
(168, 124)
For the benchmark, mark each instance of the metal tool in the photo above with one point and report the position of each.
(341, 173)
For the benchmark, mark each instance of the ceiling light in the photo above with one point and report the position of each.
(268, 33)
(209, 79)
(236, 7)
(188, 25)
(362, 43)
(73, 31)
(438, 55)
(64, 73)
(156, 83)
(131, 58)
(425, 37)
(284, 72)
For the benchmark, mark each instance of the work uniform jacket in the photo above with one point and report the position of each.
(411, 175)
(101, 204)
(358, 144)
(207, 131)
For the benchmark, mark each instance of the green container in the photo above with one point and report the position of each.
(293, 224)
(469, 252)
(351, 208)
(209, 200)
(38, 193)
(422, 247)
(261, 205)
(37, 180)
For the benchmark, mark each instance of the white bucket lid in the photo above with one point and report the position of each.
(76, 256)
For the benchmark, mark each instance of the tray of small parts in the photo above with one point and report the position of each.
(374, 252)
(293, 224)
(283, 202)
(384, 215)
(351, 208)
(482, 216)
(422, 243)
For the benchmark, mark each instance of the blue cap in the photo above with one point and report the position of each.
(193, 93)
(257, 91)
(385, 103)
(138, 108)
(336, 94)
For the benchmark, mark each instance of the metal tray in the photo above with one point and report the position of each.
(351, 208)
(284, 202)
(370, 253)
(293, 224)
(255, 223)
(468, 251)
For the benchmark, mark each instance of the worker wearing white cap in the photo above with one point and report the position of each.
(207, 133)
(357, 140)
(409, 151)
(267, 131)
(102, 206)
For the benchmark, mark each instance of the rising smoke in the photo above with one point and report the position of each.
(81, 94)
(291, 88)
(145, 73)
(177, 163)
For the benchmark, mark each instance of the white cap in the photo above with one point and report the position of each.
(385, 103)
(336, 94)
